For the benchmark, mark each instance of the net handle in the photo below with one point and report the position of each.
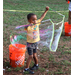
(57, 12)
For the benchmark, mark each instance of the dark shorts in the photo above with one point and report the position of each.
(31, 48)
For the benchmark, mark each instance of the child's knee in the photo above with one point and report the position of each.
(34, 54)
(31, 56)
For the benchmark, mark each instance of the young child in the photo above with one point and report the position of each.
(32, 39)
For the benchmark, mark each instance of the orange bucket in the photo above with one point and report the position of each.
(67, 29)
(17, 54)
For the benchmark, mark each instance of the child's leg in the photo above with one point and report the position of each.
(35, 66)
(29, 61)
(35, 54)
(69, 18)
(35, 58)
(30, 52)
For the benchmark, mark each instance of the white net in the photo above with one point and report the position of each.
(50, 34)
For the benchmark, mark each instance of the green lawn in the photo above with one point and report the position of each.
(12, 19)
(19, 18)
(34, 5)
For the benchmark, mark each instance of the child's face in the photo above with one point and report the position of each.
(33, 19)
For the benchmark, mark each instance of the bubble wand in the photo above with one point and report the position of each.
(56, 12)
(52, 37)
(51, 46)
(23, 26)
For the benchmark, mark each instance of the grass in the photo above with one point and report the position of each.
(13, 19)
(17, 69)
(32, 5)
(51, 58)
(9, 69)
(42, 69)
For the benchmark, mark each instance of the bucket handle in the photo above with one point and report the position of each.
(20, 48)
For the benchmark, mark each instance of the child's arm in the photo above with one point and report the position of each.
(44, 14)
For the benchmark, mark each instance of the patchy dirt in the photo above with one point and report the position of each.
(50, 63)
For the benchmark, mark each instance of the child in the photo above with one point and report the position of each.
(69, 18)
(32, 39)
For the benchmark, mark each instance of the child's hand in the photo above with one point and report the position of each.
(44, 14)
(47, 8)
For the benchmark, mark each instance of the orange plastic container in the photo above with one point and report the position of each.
(17, 55)
(67, 29)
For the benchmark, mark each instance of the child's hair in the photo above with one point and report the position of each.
(29, 15)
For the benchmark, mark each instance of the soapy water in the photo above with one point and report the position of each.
(49, 33)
